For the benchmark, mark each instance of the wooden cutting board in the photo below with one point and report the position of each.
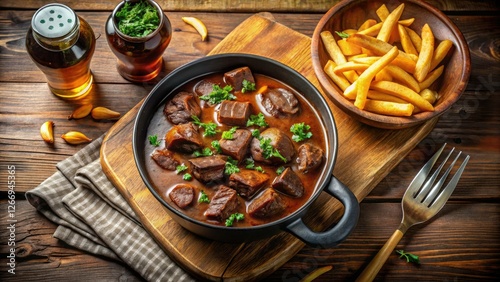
(365, 157)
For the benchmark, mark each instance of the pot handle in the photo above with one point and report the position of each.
(341, 230)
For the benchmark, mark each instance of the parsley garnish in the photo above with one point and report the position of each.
(216, 145)
(280, 170)
(229, 134)
(180, 168)
(235, 216)
(258, 119)
(187, 176)
(342, 34)
(231, 166)
(250, 164)
(219, 94)
(247, 86)
(209, 128)
(153, 140)
(269, 151)
(203, 153)
(409, 257)
(256, 133)
(300, 132)
(138, 19)
(203, 197)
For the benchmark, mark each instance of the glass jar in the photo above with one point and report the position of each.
(62, 45)
(140, 59)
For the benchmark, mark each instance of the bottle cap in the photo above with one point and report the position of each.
(54, 20)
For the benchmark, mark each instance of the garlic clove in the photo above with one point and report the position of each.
(104, 113)
(47, 131)
(75, 137)
(81, 112)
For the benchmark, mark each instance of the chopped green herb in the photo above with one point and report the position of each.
(269, 151)
(235, 216)
(229, 134)
(153, 140)
(203, 197)
(408, 256)
(219, 94)
(247, 86)
(180, 168)
(342, 34)
(216, 145)
(137, 19)
(203, 153)
(300, 132)
(209, 128)
(187, 176)
(250, 164)
(258, 119)
(231, 166)
(280, 170)
(256, 133)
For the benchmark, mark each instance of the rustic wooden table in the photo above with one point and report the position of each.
(461, 244)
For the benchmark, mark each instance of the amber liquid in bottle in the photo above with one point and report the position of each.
(67, 70)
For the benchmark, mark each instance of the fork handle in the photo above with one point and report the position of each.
(378, 261)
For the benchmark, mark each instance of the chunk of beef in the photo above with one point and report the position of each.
(266, 205)
(181, 108)
(204, 88)
(183, 138)
(234, 112)
(182, 195)
(247, 182)
(289, 183)
(237, 147)
(235, 77)
(207, 169)
(279, 141)
(280, 102)
(165, 159)
(223, 204)
(309, 157)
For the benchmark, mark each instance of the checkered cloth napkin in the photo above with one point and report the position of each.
(93, 216)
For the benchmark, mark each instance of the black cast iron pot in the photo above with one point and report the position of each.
(292, 223)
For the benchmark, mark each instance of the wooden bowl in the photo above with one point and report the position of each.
(352, 13)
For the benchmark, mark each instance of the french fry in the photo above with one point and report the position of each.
(431, 77)
(372, 30)
(403, 77)
(383, 75)
(335, 53)
(440, 52)
(406, 41)
(340, 80)
(406, 22)
(376, 95)
(367, 76)
(380, 48)
(389, 23)
(389, 108)
(348, 49)
(425, 57)
(355, 57)
(366, 24)
(351, 90)
(382, 12)
(402, 92)
(350, 66)
(415, 38)
(429, 95)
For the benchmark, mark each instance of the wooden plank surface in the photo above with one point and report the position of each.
(262, 35)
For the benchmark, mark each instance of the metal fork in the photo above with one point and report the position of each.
(420, 203)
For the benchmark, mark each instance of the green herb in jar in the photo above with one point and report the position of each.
(137, 19)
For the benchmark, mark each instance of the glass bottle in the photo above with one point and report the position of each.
(140, 59)
(62, 44)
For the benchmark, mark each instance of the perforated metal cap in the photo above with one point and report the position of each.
(54, 20)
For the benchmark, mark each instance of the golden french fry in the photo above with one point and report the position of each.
(366, 60)
(402, 92)
(340, 80)
(350, 91)
(355, 57)
(367, 76)
(372, 30)
(348, 49)
(383, 75)
(389, 108)
(403, 77)
(350, 31)
(429, 95)
(382, 12)
(350, 66)
(366, 24)
(335, 53)
(431, 77)
(379, 47)
(423, 65)
(415, 38)
(376, 95)
(406, 22)
(406, 41)
(440, 52)
(389, 23)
